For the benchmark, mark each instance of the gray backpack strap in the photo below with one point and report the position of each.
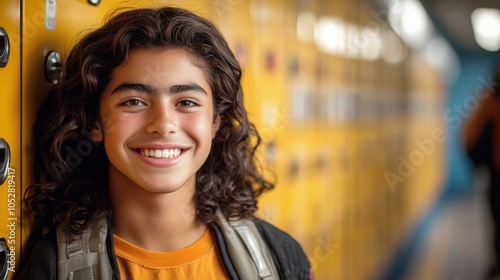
(83, 257)
(248, 251)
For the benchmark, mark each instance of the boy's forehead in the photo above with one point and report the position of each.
(154, 53)
(159, 69)
(162, 63)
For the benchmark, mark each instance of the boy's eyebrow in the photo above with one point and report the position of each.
(153, 90)
(186, 87)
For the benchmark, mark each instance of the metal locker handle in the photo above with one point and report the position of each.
(4, 160)
(4, 48)
(4, 259)
(53, 67)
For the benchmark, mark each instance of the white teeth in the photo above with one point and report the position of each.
(156, 153)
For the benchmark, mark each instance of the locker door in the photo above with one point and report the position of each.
(10, 137)
(49, 28)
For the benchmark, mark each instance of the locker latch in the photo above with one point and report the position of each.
(4, 160)
(53, 67)
(4, 259)
(4, 48)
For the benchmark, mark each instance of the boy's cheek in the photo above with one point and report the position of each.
(111, 124)
(107, 125)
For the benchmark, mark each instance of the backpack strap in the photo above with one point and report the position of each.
(247, 249)
(82, 257)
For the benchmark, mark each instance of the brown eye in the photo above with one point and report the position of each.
(187, 103)
(133, 103)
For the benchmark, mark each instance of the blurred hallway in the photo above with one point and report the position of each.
(457, 245)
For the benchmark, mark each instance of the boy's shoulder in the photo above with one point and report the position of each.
(273, 233)
(272, 250)
(288, 253)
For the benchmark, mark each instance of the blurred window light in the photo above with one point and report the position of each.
(334, 36)
(414, 22)
(410, 21)
(330, 35)
(364, 43)
(394, 18)
(305, 26)
(486, 27)
(393, 50)
(354, 41)
(372, 44)
(440, 55)
(435, 52)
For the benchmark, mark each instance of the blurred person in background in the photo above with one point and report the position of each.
(482, 139)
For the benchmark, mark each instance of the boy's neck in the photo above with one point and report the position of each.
(156, 222)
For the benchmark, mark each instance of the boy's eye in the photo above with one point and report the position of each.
(187, 103)
(133, 103)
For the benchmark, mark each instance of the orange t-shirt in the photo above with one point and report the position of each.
(198, 261)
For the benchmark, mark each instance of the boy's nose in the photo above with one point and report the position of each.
(163, 120)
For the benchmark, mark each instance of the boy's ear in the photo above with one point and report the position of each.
(96, 132)
(215, 125)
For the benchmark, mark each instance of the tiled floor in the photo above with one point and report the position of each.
(458, 246)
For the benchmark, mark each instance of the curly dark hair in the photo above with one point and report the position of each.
(71, 170)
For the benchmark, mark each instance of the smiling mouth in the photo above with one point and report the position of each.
(160, 153)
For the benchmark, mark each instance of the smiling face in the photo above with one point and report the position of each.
(156, 121)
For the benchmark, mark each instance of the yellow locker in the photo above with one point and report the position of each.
(49, 28)
(10, 134)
